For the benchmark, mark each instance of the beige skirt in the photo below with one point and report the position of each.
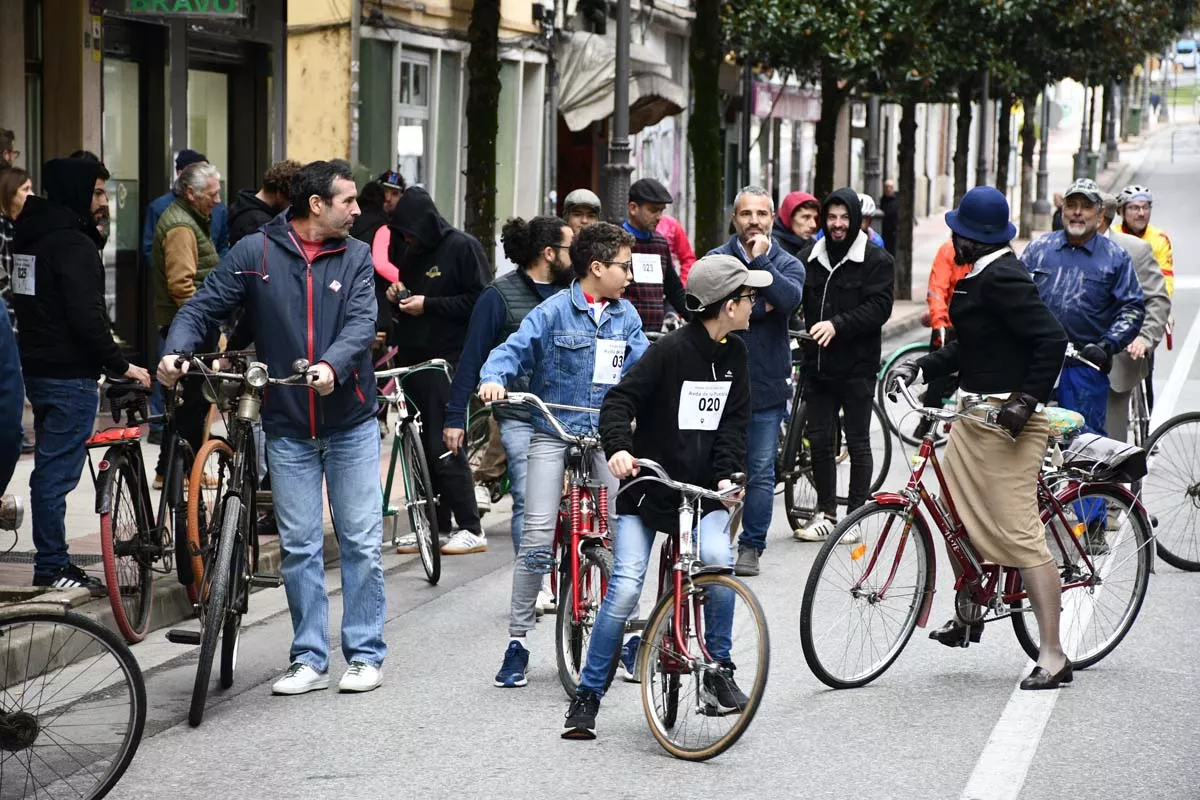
(993, 481)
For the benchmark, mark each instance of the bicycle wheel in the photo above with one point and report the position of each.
(799, 491)
(207, 484)
(214, 603)
(898, 416)
(418, 496)
(682, 690)
(1171, 490)
(1098, 614)
(478, 432)
(861, 601)
(231, 631)
(73, 707)
(1139, 415)
(571, 637)
(125, 525)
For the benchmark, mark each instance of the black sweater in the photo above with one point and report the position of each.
(1008, 341)
(650, 393)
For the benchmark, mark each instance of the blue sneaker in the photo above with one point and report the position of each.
(629, 655)
(512, 671)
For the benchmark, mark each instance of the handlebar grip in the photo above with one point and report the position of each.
(738, 478)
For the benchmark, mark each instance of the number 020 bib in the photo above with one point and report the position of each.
(610, 357)
(701, 404)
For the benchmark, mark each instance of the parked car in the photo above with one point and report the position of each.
(1186, 53)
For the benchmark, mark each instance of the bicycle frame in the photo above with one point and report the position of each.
(392, 395)
(586, 518)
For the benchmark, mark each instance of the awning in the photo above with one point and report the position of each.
(586, 72)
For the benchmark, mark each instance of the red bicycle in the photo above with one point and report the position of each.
(862, 602)
(583, 561)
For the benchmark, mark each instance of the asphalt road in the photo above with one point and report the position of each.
(933, 727)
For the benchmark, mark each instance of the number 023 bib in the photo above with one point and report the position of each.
(701, 404)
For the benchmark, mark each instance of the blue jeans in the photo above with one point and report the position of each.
(64, 414)
(515, 435)
(157, 402)
(631, 556)
(348, 462)
(762, 441)
(1084, 390)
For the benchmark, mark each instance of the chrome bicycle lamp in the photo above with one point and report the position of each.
(256, 374)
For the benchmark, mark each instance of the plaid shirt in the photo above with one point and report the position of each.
(6, 255)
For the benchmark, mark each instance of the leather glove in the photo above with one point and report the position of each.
(1099, 355)
(1015, 412)
(905, 372)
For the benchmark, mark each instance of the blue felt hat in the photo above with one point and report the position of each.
(982, 216)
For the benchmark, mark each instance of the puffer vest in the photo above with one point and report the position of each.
(520, 297)
(180, 214)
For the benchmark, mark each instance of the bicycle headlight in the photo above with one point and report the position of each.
(256, 374)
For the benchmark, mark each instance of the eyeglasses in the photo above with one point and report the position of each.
(1137, 209)
(750, 295)
(625, 265)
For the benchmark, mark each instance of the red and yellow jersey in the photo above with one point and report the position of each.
(1161, 243)
(942, 277)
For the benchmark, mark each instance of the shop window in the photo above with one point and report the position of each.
(451, 136)
(375, 97)
(412, 127)
(208, 119)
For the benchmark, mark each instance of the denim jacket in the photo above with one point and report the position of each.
(556, 347)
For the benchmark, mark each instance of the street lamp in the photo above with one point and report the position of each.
(1041, 206)
(619, 168)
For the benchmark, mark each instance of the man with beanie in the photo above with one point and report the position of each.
(655, 280)
(66, 342)
(847, 300)
(220, 215)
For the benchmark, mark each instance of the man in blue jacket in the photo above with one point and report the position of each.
(770, 360)
(309, 292)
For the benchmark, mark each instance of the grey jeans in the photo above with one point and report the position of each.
(543, 494)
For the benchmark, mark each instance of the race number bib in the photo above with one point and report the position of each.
(647, 268)
(610, 357)
(701, 404)
(23, 276)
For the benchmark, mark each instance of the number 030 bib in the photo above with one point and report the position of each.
(610, 357)
(701, 404)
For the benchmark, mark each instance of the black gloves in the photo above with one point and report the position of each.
(1099, 355)
(1015, 412)
(905, 372)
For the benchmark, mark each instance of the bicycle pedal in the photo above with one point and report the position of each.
(266, 581)
(183, 637)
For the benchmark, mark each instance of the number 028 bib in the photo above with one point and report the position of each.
(701, 404)
(610, 357)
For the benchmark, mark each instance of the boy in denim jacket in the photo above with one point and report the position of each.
(574, 347)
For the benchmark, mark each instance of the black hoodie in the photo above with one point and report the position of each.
(247, 214)
(65, 330)
(849, 283)
(446, 266)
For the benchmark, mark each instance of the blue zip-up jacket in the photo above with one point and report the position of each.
(556, 347)
(12, 400)
(767, 340)
(219, 227)
(324, 311)
(1092, 289)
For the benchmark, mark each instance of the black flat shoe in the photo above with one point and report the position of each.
(956, 634)
(1041, 679)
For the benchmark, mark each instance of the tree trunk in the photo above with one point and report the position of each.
(907, 157)
(1091, 120)
(832, 100)
(704, 127)
(1028, 145)
(1003, 141)
(962, 139)
(483, 122)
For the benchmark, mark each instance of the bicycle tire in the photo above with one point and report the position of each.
(1171, 487)
(231, 631)
(1138, 533)
(478, 433)
(214, 604)
(899, 418)
(203, 506)
(882, 463)
(863, 603)
(175, 540)
(1139, 416)
(571, 639)
(421, 503)
(128, 578)
(657, 626)
(61, 659)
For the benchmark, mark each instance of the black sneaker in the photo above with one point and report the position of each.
(71, 577)
(581, 716)
(1094, 541)
(723, 694)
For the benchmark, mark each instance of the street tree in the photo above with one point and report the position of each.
(483, 123)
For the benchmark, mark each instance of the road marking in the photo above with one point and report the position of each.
(1164, 405)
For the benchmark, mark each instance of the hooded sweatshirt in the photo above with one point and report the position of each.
(446, 266)
(850, 284)
(781, 232)
(247, 214)
(65, 330)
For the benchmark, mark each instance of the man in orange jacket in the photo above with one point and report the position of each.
(944, 275)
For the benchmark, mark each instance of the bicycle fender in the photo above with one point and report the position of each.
(105, 475)
(919, 526)
(1072, 492)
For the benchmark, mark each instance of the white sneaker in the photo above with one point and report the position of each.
(407, 544)
(300, 678)
(545, 601)
(464, 542)
(360, 677)
(817, 530)
(483, 498)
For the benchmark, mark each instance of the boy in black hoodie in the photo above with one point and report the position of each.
(442, 272)
(690, 397)
(847, 300)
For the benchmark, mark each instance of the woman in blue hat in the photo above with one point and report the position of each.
(1009, 351)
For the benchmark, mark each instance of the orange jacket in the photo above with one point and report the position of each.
(942, 278)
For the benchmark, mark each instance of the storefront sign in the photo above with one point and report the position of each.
(786, 102)
(187, 8)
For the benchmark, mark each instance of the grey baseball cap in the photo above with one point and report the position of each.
(1085, 187)
(715, 277)
(581, 197)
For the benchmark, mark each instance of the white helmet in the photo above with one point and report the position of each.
(1134, 192)
(868, 205)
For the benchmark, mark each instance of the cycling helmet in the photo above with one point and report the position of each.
(1134, 192)
(868, 205)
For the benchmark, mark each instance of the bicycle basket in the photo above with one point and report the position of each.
(1102, 459)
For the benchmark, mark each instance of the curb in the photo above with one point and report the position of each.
(901, 325)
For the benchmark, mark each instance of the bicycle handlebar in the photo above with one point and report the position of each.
(300, 377)
(400, 373)
(1074, 355)
(525, 398)
(659, 475)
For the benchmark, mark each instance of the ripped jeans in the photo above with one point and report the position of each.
(543, 494)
